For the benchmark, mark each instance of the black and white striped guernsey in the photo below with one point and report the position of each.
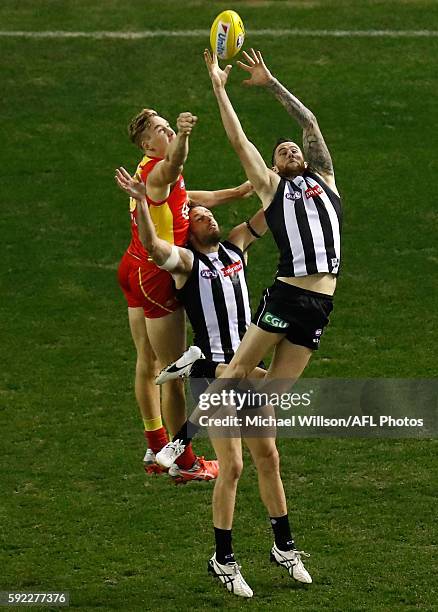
(305, 219)
(215, 297)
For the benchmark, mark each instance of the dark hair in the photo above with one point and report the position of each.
(193, 204)
(278, 143)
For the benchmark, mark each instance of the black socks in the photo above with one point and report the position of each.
(186, 433)
(203, 368)
(224, 549)
(282, 535)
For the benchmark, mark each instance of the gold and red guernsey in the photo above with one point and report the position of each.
(170, 217)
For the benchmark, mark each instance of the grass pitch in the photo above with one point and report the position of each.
(77, 511)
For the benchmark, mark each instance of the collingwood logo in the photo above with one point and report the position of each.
(335, 265)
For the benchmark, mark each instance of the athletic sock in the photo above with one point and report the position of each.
(203, 368)
(224, 549)
(187, 432)
(155, 434)
(282, 535)
(187, 459)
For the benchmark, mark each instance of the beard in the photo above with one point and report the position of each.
(212, 239)
(292, 170)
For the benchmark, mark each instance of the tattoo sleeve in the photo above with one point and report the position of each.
(315, 149)
(316, 152)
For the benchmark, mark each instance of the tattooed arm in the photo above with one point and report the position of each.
(316, 152)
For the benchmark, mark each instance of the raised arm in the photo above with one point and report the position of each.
(167, 171)
(175, 260)
(210, 199)
(316, 152)
(265, 181)
(246, 233)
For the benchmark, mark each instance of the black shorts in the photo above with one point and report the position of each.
(300, 314)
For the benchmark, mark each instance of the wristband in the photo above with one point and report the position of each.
(172, 261)
(252, 230)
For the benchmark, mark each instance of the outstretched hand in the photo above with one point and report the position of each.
(259, 74)
(218, 76)
(135, 189)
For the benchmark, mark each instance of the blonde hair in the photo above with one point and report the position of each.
(139, 124)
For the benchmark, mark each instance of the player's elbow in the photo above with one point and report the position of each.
(171, 170)
(150, 245)
(310, 120)
(239, 142)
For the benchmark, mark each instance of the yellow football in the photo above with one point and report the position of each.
(227, 35)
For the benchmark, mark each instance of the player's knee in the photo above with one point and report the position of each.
(268, 461)
(237, 371)
(231, 468)
(147, 365)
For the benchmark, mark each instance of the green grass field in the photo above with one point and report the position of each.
(77, 512)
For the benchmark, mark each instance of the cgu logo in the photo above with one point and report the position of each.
(275, 321)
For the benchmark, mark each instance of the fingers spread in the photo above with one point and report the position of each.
(248, 58)
(244, 66)
(207, 57)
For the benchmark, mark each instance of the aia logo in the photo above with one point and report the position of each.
(311, 192)
(232, 269)
(209, 274)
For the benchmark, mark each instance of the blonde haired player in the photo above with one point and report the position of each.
(155, 315)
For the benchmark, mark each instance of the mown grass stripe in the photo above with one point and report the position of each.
(205, 33)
